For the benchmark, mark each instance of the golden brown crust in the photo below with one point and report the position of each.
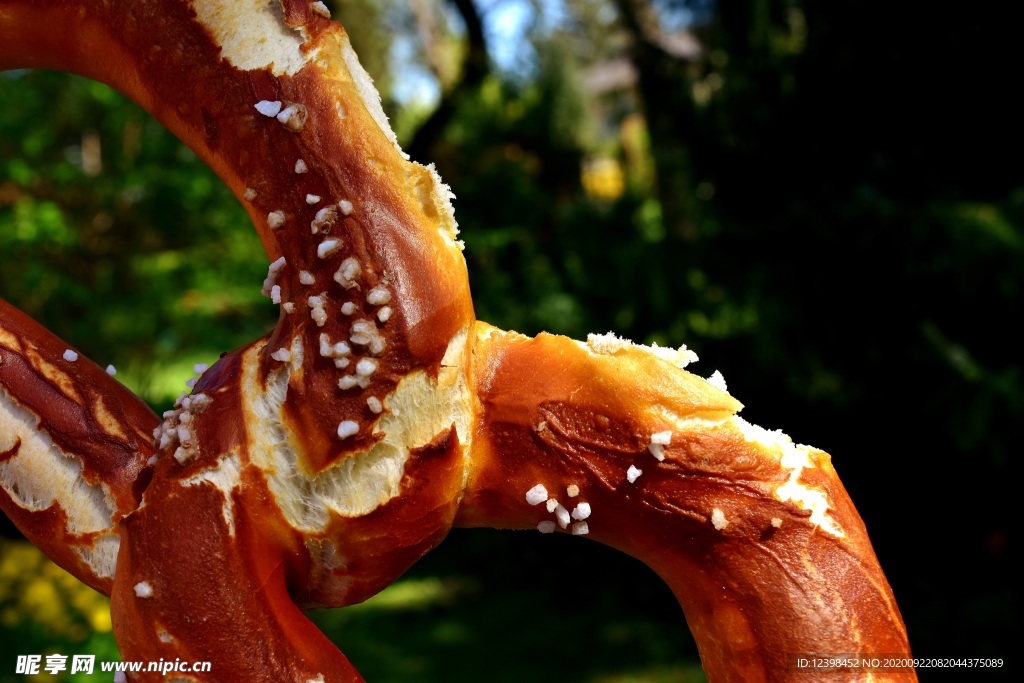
(161, 56)
(756, 576)
(314, 466)
(73, 412)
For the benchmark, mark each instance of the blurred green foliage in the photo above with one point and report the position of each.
(824, 200)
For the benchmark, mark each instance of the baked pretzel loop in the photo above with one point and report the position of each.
(315, 465)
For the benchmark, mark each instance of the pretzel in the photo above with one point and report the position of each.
(313, 466)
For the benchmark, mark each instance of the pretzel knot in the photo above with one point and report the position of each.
(315, 465)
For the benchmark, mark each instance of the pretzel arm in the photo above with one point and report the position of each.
(752, 533)
(74, 443)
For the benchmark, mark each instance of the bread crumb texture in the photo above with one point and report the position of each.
(252, 35)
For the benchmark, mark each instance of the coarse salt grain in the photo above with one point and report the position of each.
(200, 368)
(345, 206)
(362, 332)
(272, 272)
(777, 522)
(347, 273)
(70, 356)
(323, 218)
(562, 515)
(378, 296)
(300, 166)
(275, 294)
(384, 314)
(347, 382)
(269, 108)
(552, 504)
(275, 219)
(312, 199)
(293, 117)
(327, 247)
(632, 474)
(288, 307)
(657, 450)
(249, 195)
(111, 370)
(282, 354)
(718, 519)
(366, 367)
(347, 428)
(580, 529)
(348, 308)
(546, 526)
(326, 348)
(663, 438)
(306, 277)
(537, 495)
(581, 512)
(143, 589)
(374, 404)
(572, 490)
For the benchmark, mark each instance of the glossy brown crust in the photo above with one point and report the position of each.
(754, 594)
(88, 415)
(219, 564)
(157, 53)
(381, 546)
(209, 567)
(228, 574)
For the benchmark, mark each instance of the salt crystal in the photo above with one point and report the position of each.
(662, 438)
(327, 247)
(537, 495)
(581, 512)
(275, 219)
(268, 108)
(293, 117)
(718, 519)
(562, 515)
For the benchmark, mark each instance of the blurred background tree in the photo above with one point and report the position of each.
(823, 199)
